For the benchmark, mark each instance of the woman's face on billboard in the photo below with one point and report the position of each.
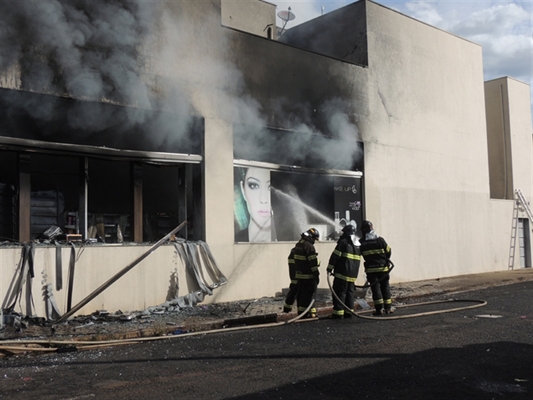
(256, 191)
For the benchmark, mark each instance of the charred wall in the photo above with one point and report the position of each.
(35, 116)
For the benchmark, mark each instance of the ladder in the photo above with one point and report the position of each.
(520, 201)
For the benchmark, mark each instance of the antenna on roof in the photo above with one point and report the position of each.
(286, 16)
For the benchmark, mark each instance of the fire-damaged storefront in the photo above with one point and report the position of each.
(57, 181)
(78, 203)
(98, 198)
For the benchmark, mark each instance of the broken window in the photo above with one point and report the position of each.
(54, 189)
(109, 199)
(8, 198)
(164, 199)
(110, 211)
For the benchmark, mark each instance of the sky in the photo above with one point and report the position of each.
(503, 28)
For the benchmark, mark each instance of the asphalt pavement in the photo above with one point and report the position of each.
(473, 354)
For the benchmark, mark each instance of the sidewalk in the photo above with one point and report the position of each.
(256, 311)
(461, 283)
(407, 292)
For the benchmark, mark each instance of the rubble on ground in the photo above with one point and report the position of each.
(154, 321)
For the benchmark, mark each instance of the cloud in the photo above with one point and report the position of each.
(424, 11)
(494, 21)
(504, 32)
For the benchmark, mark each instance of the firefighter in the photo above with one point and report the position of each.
(293, 287)
(306, 264)
(344, 266)
(376, 253)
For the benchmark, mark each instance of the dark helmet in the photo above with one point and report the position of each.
(311, 233)
(349, 229)
(366, 226)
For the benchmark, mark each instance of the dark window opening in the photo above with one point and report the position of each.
(166, 210)
(113, 201)
(109, 201)
(54, 184)
(8, 196)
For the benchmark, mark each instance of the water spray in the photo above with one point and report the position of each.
(307, 207)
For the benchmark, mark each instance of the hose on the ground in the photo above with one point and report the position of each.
(360, 314)
(14, 346)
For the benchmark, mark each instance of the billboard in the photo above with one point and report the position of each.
(275, 205)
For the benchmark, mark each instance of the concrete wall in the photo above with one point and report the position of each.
(499, 139)
(253, 16)
(509, 137)
(426, 164)
(509, 134)
(521, 131)
(218, 191)
(147, 284)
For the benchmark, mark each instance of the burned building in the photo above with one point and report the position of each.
(121, 121)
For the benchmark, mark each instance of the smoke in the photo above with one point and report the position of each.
(98, 51)
(332, 144)
(150, 56)
(85, 48)
(340, 149)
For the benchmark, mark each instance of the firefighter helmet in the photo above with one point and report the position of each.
(311, 233)
(349, 229)
(366, 226)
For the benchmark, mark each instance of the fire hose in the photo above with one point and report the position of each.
(59, 346)
(361, 314)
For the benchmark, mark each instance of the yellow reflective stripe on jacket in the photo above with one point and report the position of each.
(351, 256)
(304, 258)
(377, 269)
(337, 252)
(344, 278)
(291, 261)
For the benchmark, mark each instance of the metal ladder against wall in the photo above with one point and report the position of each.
(520, 201)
